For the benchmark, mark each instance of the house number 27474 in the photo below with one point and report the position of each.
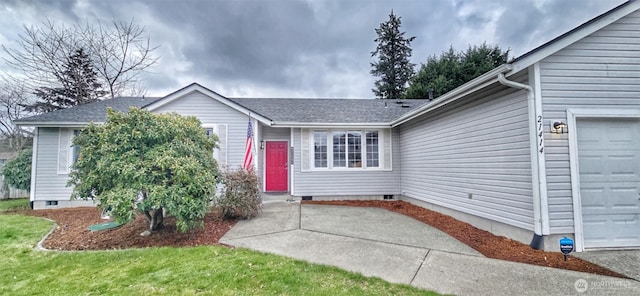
(540, 135)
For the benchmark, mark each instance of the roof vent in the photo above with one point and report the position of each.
(399, 102)
(405, 106)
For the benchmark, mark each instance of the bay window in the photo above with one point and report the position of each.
(320, 149)
(347, 149)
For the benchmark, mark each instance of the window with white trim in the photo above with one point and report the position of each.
(348, 149)
(75, 148)
(220, 130)
(320, 157)
(67, 152)
(373, 148)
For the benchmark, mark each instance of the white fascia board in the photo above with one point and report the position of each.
(480, 82)
(573, 37)
(199, 88)
(55, 124)
(329, 125)
(34, 166)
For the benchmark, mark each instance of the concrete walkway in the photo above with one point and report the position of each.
(400, 249)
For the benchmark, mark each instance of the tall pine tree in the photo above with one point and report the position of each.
(393, 65)
(452, 69)
(78, 85)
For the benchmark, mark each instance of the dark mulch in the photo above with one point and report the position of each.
(72, 232)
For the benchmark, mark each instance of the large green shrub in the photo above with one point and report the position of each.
(240, 197)
(17, 171)
(151, 163)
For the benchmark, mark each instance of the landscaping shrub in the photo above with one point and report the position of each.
(240, 196)
(17, 172)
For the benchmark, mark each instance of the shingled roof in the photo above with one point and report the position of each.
(83, 114)
(279, 111)
(329, 110)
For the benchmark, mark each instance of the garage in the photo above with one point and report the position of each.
(609, 169)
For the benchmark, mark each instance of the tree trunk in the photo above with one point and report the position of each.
(5, 190)
(156, 219)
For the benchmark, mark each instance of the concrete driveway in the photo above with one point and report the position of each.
(400, 249)
(625, 262)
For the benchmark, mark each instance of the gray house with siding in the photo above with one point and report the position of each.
(543, 147)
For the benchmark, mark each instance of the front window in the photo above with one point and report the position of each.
(76, 148)
(372, 149)
(209, 131)
(339, 150)
(320, 149)
(355, 149)
(348, 149)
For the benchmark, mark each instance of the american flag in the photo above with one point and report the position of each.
(248, 152)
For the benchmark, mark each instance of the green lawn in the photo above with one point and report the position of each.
(207, 270)
(14, 203)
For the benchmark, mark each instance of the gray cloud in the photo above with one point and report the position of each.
(303, 47)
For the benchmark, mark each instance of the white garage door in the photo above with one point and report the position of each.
(609, 162)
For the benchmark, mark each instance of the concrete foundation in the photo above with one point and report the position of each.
(352, 197)
(57, 204)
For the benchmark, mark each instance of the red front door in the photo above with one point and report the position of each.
(276, 166)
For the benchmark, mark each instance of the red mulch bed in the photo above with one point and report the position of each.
(489, 245)
(72, 233)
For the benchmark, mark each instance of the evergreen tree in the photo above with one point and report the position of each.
(150, 163)
(79, 85)
(450, 70)
(393, 65)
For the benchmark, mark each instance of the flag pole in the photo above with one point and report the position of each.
(247, 162)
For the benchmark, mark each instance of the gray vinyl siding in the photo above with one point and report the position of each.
(211, 111)
(479, 146)
(276, 134)
(49, 184)
(600, 71)
(354, 182)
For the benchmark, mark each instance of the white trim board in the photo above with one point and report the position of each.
(34, 165)
(572, 115)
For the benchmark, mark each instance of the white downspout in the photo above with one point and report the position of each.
(537, 156)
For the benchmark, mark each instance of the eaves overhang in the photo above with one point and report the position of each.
(53, 124)
(332, 124)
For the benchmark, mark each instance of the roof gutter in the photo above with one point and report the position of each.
(480, 82)
(328, 125)
(538, 167)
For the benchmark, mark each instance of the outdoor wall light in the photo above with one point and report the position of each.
(261, 144)
(558, 127)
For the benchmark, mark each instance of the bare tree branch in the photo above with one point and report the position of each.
(120, 51)
(13, 95)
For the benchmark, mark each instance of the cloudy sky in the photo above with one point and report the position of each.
(301, 48)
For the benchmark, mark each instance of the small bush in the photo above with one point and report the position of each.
(240, 197)
(17, 172)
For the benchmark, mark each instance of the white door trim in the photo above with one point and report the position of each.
(572, 114)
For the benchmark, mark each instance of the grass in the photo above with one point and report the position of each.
(207, 270)
(14, 204)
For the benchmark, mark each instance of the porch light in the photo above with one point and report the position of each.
(558, 127)
(261, 144)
